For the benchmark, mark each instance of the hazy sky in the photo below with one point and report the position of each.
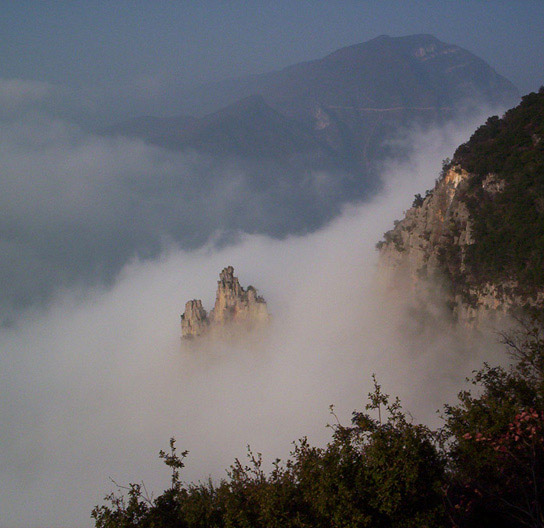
(137, 51)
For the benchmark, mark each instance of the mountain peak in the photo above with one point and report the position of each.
(336, 114)
(235, 309)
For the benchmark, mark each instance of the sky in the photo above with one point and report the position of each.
(128, 58)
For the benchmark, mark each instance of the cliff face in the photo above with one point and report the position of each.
(194, 321)
(233, 304)
(427, 249)
(235, 309)
(476, 241)
(416, 242)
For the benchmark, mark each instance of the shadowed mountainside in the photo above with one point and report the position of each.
(335, 113)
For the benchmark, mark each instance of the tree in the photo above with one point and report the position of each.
(383, 471)
(138, 509)
(485, 468)
(496, 440)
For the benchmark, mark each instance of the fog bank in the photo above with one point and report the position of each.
(94, 386)
(76, 207)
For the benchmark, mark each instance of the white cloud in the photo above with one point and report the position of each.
(96, 385)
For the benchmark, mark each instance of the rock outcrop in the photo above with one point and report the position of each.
(426, 248)
(478, 236)
(236, 309)
(416, 243)
(427, 252)
(194, 321)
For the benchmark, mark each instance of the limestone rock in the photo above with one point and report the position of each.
(415, 244)
(425, 253)
(194, 321)
(235, 309)
(478, 235)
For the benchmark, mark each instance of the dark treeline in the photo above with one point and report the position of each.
(483, 468)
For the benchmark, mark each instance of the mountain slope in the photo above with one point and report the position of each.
(481, 229)
(416, 71)
(338, 112)
(247, 128)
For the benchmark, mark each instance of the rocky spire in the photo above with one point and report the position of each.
(234, 308)
(194, 321)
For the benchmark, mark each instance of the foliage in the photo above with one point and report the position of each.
(418, 200)
(507, 226)
(382, 471)
(496, 450)
(485, 468)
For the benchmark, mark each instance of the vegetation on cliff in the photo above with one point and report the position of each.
(481, 228)
(507, 225)
(485, 467)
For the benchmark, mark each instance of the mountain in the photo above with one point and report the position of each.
(416, 71)
(247, 128)
(336, 113)
(480, 232)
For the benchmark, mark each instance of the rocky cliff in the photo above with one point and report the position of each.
(425, 251)
(235, 309)
(476, 240)
(194, 321)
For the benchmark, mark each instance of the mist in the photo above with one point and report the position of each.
(96, 383)
(76, 207)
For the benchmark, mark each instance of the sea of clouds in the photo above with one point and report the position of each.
(96, 380)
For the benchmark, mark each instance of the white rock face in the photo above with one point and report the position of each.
(235, 309)
(415, 243)
(425, 254)
(194, 321)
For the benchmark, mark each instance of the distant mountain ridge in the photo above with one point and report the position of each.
(416, 71)
(337, 112)
(247, 128)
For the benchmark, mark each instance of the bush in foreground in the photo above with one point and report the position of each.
(484, 468)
